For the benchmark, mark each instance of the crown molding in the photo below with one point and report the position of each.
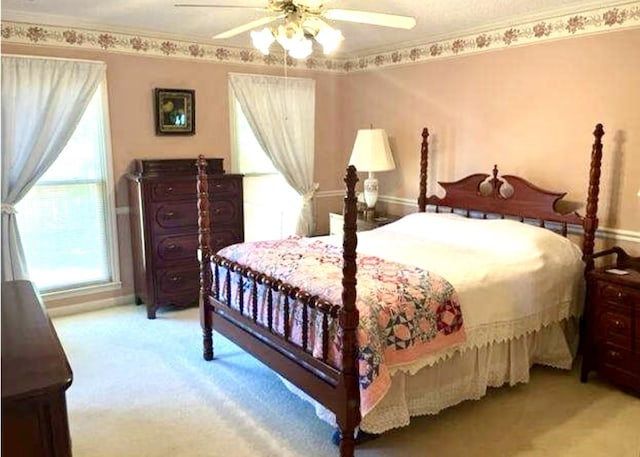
(623, 16)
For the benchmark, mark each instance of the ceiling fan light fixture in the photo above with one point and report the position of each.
(329, 38)
(288, 35)
(301, 49)
(303, 22)
(262, 40)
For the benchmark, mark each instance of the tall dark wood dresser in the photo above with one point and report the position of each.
(35, 377)
(164, 227)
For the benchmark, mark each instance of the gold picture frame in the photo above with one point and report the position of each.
(175, 111)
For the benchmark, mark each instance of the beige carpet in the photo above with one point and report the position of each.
(141, 389)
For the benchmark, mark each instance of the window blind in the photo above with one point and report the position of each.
(64, 219)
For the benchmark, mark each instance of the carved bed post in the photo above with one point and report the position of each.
(349, 418)
(204, 254)
(424, 163)
(590, 222)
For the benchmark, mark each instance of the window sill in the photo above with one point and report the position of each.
(81, 291)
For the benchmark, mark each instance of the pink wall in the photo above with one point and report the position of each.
(131, 80)
(531, 110)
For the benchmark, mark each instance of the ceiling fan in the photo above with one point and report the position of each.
(303, 20)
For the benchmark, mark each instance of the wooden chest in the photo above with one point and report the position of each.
(164, 227)
(612, 336)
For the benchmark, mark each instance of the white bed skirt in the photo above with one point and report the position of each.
(464, 376)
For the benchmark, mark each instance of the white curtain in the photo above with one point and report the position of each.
(42, 103)
(281, 113)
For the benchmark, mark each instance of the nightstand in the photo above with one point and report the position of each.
(336, 222)
(611, 337)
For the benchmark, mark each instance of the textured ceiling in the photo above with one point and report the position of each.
(436, 19)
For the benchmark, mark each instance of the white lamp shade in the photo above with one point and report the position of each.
(371, 151)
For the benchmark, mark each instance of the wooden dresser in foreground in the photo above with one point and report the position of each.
(611, 344)
(164, 227)
(35, 377)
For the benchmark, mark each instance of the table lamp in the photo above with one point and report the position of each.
(371, 153)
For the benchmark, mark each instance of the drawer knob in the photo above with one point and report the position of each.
(169, 214)
(169, 189)
(615, 355)
(618, 324)
(176, 278)
(217, 211)
(218, 186)
(172, 247)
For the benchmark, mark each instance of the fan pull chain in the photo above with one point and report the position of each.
(286, 87)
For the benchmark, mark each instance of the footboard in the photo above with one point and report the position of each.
(256, 312)
(281, 315)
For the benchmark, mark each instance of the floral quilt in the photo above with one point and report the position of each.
(405, 312)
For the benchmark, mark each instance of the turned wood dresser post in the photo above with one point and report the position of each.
(349, 418)
(204, 255)
(424, 163)
(590, 222)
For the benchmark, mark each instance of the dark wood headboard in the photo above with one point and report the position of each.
(485, 195)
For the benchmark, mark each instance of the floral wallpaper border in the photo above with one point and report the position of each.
(60, 36)
(594, 21)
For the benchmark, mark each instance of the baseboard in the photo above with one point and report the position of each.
(90, 306)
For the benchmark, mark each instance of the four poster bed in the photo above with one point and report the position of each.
(419, 334)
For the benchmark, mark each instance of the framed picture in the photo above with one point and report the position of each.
(175, 111)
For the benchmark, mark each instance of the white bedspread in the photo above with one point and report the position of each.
(519, 286)
(512, 278)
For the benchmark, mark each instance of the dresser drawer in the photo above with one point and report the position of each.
(619, 364)
(187, 189)
(615, 326)
(225, 212)
(176, 248)
(180, 248)
(174, 282)
(223, 238)
(173, 215)
(176, 190)
(224, 188)
(617, 294)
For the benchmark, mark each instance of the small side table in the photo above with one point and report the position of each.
(611, 337)
(336, 222)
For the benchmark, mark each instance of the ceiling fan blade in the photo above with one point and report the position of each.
(369, 17)
(248, 26)
(212, 5)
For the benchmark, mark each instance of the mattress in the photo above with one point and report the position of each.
(519, 286)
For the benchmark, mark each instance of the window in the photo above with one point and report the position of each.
(67, 220)
(271, 206)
